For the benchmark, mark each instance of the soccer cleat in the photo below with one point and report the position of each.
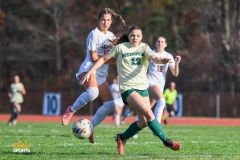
(120, 143)
(67, 116)
(172, 145)
(91, 138)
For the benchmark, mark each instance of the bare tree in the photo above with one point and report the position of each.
(56, 13)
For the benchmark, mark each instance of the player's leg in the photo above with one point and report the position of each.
(169, 110)
(155, 126)
(172, 111)
(9, 123)
(117, 115)
(152, 101)
(90, 94)
(119, 107)
(164, 116)
(17, 106)
(133, 129)
(137, 102)
(108, 104)
(16, 112)
(142, 106)
(128, 112)
(156, 94)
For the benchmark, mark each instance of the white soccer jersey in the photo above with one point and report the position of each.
(157, 72)
(97, 41)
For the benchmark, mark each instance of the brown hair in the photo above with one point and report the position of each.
(112, 13)
(161, 37)
(124, 37)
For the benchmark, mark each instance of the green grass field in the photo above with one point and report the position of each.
(53, 141)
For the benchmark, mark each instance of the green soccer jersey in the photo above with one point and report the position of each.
(16, 94)
(132, 64)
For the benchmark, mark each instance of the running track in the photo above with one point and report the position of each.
(109, 120)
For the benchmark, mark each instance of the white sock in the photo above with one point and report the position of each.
(90, 94)
(117, 120)
(102, 112)
(81, 101)
(159, 109)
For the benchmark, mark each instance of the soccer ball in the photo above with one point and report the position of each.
(82, 128)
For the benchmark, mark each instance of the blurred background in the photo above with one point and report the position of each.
(44, 43)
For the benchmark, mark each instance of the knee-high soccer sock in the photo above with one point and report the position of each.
(81, 101)
(131, 131)
(90, 94)
(158, 111)
(156, 127)
(102, 112)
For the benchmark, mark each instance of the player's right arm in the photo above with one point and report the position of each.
(94, 56)
(96, 65)
(9, 92)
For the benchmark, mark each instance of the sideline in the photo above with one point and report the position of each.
(171, 121)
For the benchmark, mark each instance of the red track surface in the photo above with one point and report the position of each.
(174, 121)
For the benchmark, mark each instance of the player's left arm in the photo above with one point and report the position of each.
(23, 91)
(158, 60)
(175, 68)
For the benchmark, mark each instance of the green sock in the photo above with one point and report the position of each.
(157, 129)
(131, 131)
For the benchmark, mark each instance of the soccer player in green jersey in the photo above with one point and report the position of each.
(15, 93)
(133, 57)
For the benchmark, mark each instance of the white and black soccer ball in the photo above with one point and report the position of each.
(82, 128)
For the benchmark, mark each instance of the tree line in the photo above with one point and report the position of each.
(44, 41)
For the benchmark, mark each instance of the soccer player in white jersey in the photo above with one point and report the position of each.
(132, 63)
(98, 43)
(157, 76)
(118, 101)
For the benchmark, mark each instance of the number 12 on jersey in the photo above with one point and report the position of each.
(136, 61)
